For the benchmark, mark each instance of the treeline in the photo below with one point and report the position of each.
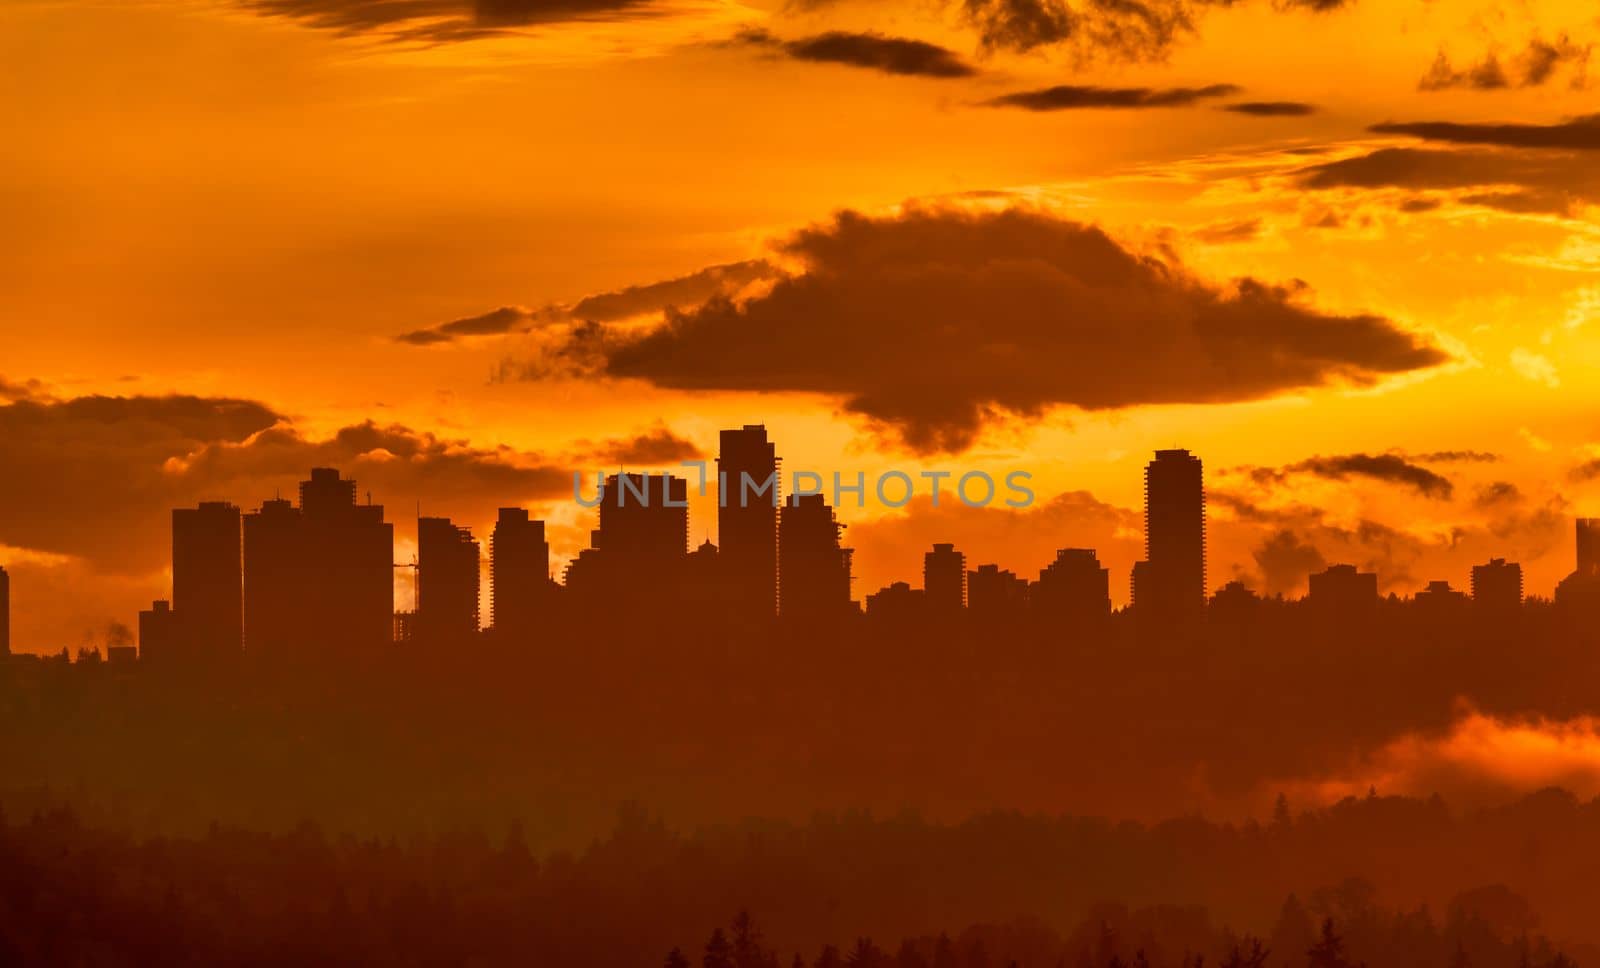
(1113, 937)
(1000, 889)
(71, 894)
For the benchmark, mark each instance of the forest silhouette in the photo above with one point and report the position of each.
(840, 890)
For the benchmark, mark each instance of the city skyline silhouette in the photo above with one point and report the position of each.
(937, 484)
(237, 577)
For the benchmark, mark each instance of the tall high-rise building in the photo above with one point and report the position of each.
(813, 570)
(642, 542)
(1171, 581)
(447, 581)
(207, 579)
(5, 613)
(274, 580)
(644, 515)
(519, 574)
(1497, 585)
(944, 578)
(1588, 546)
(1581, 589)
(1073, 590)
(318, 578)
(747, 519)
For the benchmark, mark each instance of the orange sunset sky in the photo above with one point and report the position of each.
(1344, 251)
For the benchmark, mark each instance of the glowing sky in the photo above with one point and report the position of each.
(252, 201)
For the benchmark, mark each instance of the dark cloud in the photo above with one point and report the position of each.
(89, 476)
(96, 477)
(441, 21)
(682, 292)
(1272, 109)
(1534, 66)
(1559, 183)
(1486, 75)
(891, 55)
(26, 390)
(1118, 30)
(1134, 30)
(1284, 561)
(1067, 97)
(1497, 493)
(1121, 30)
(1455, 457)
(1393, 468)
(933, 322)
(1419, 204)
(653, 447)
(1576, 134)
(1584, 472)
(1218, 233)
(506, 319)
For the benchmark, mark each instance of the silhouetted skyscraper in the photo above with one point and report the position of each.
(642, 542)
(814, 571)
(5, 613)
(747, 519)
(519, 574)
(274, 579)
(207, 582)
(1497, 585)
(645, 515)
(995, 593)
(944, 578)
(1073, 590)
(1170, 583)
(1581, 589)
(1588, 530)
(447, 582)
(318, 578)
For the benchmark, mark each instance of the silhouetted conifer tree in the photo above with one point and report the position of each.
(1328, 952)
(1247, 953)
(866, 955)
(1293, 933)
(746, 947)
(719, 953)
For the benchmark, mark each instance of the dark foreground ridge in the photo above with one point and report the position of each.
(998, 890)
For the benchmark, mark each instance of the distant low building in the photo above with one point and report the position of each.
(897, 601)
(1344, 590)
(993, 592)
(1073, 590)
(158, 633)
